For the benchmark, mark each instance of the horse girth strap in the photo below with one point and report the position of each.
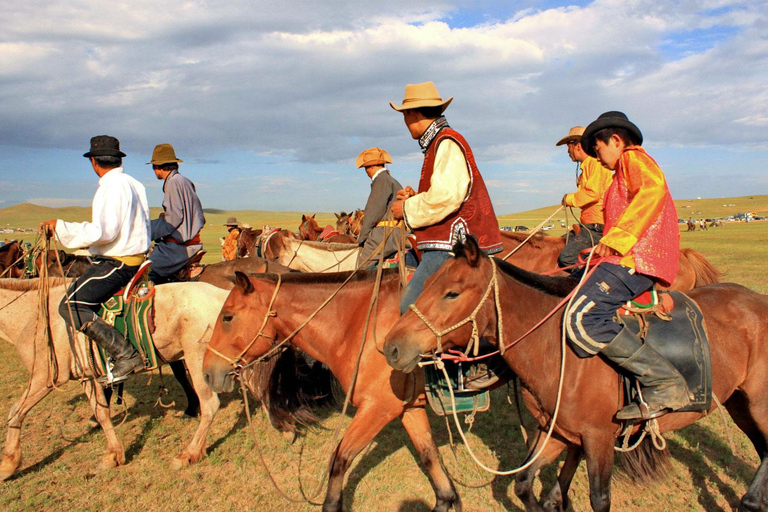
(474, 342)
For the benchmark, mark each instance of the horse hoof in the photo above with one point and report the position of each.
(289, 437)
(109, 461)
(181, 462)
(8, 467)
(5, 474)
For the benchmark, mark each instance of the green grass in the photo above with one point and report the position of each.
(61, 453)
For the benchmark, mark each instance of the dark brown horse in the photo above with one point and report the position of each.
(333, 336)
(540, 252)
(736, 325)
(11, 259)
(72, 265)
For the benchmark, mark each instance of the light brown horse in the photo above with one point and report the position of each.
(349, 223)
(306, 256)
(333, 336)
(539, 254)
(736, 325)
(251, 243)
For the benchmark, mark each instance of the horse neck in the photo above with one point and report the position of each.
(20, 308)
(536, 258)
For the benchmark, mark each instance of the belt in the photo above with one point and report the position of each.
(389, 224)
(195, 240)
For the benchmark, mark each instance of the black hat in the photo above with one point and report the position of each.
(609, 119)
(104, 145)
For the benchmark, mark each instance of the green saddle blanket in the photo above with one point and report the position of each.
(439, 394)
(134, 318)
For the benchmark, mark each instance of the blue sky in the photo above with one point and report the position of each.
(269, 107)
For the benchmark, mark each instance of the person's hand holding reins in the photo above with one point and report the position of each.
(603, 251)
(48, 228)
(397, 206)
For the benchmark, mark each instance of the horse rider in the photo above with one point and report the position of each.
(591, 184)
(452, 201)
(640, 246)
(118, 239)
(229, 243)
(176, 232)
(376, 224)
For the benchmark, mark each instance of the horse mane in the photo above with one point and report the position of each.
(25, 285)
(557, 286)
(326, 277)
(537, 241)
(7, 247)
(706, 273)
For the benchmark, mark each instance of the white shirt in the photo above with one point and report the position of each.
(448, 188)
(120, 224)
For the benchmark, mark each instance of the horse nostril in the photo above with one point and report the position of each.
(394, 353)
(207, 378)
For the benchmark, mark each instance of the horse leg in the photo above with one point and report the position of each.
(115, 455)
(524, 480)
(557, 499)
(366, 424)
(209, 402)
(37, 389)
(598, 450)
(416, 424)
(750, 416)
(180, 372)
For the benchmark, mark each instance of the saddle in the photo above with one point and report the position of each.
(327, 233)
(131, 311)
(191, 268)
(673, 325)
(439, 395)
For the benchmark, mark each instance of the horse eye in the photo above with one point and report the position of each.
(451, 295)
(227, 318)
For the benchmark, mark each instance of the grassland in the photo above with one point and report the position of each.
(61, 452)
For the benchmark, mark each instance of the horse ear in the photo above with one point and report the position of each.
(242, 282)
(313, 215)
(303, 218)
(338, 217)
(469, 249)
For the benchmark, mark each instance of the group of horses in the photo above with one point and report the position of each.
(256, 316)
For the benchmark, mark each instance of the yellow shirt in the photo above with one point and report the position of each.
(229, 247)
(593, 181)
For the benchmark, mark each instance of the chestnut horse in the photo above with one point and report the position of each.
(540, 252)
(11, 259)
(310, 230)
(334, 337)
(736, 325)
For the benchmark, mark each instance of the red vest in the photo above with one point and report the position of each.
(475, 216)
(657, 250)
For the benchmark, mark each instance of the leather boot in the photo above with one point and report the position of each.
(663, 387)
(125, 358)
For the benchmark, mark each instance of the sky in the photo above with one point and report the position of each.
(269, 102)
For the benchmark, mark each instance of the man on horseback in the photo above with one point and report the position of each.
(229, 243)
(591, 185)
(452, 200)
(177, 231)
(376, 226)
(118, 239)
(640, 246)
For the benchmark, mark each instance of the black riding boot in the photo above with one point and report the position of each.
(125, 358)
(663, 387)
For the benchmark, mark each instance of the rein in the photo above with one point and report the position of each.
(535, 230)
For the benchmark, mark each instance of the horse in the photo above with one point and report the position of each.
(691, 225)
(184, 316)
(310, 230)
(334, 337)
(539, 254)
(251, 241)
(73, 265)
(221, 274)
(736, 325)
(11, 260)
(349, 223)
(306, 256)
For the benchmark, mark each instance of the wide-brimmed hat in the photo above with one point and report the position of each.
(232, 221)
(574, 135)
(104, 145)
(164, 154)
(421, 95)
(610, 119)
(372, 156)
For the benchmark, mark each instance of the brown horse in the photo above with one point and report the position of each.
(73, 265)
(736, 325)
(540, 252)
(251, 243)
(11, 259)
(334, 337)
(310, 230)
(349, 223)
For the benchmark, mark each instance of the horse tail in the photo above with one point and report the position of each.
(645, 464)
(289, 389)
(706, 273)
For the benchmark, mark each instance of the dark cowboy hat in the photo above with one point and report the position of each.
(232, 221)
(104, 145)
(612, 119)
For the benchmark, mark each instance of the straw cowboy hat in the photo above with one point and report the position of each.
(372, 156)
(421, 95)
(612, 119)
(232, 221)
(574, 135)
(164, 154)
(104, 145)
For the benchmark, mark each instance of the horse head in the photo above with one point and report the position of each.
(342, 223)
(356, 222)
(456, 302)
(308, 229)
(244, 331)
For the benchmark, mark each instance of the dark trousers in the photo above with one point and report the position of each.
(590, 322)
(589, 236)
(104, 278)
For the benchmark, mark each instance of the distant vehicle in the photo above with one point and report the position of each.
(521, 228)
(730, 219)
(547, 228)
(681, 221)
(506, 228)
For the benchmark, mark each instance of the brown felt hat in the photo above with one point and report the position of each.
(232, 221)
(372, 156)
(421, 95)
(104, 145)
(164, 154)
(574, 135)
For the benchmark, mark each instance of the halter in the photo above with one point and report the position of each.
(474, 341)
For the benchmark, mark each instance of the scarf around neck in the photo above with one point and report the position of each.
(430, 133)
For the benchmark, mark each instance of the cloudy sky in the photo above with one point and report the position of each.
(269, 102)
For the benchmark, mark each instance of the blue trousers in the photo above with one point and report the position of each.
(431, 261)
(590, 321)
